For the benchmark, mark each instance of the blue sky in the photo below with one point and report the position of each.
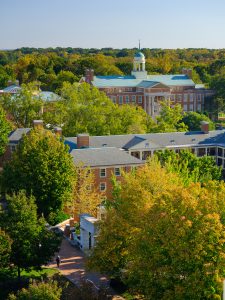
(115, 23)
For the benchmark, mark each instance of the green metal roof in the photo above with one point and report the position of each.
(131, 81)
(172, 80)
(139, 54)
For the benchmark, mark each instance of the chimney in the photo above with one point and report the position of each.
(187, 72)
(58, 131)
(9, 83)
(204, 127)
(89, 75)
(38, 124)
(83, 140)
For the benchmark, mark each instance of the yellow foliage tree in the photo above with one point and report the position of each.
(164, 239)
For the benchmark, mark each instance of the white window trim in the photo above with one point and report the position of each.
(117, 168)
(102, 176)
(100, 186)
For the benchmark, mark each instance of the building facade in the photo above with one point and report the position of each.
(148, 91)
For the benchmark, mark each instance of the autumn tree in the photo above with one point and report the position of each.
(85, 197)
(165, 240)
(32, 243)
(43, 167)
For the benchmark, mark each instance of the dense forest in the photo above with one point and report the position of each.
(51, 66)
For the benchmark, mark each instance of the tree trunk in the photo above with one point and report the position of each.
(18, 273)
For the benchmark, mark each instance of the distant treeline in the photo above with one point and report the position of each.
(52, 66)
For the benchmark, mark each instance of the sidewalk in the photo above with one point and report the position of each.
(73, 266)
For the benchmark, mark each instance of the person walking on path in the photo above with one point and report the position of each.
(58, 261)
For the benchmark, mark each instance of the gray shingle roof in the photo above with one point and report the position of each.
(97, 157)
(16, 135)
(154, 140)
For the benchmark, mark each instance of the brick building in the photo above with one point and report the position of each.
(148, 91)
(103, 161)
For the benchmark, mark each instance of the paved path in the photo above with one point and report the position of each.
(73, 266)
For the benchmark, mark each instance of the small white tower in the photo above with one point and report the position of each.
(139, 66)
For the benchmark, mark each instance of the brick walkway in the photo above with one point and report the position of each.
(73, 266)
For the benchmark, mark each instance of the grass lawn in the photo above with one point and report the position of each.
(35, 274)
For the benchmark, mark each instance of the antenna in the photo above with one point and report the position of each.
(139, 44)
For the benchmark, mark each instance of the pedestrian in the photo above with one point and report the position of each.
(58, 261)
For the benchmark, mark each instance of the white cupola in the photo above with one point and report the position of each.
(139, 66)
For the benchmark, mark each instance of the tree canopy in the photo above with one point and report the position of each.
(39, 291)
(193, 121)
(43, 167)
(23, 107)
(89, 110)
(5, 128)
(165, 240)
(32, 243)
(190, 167)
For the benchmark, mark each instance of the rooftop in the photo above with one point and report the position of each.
(154, 140)
(131, 81)
(105, 156)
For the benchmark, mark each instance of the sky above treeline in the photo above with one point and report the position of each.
(112, 23)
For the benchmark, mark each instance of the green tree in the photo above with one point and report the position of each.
(32, 243)
(89, 110)
(193, 121)
(5, 249)
(39, 291)
(43, 167)
(189, 167)
(5, 128)
(23, 107)
(170, 118)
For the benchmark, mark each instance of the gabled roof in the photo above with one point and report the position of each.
(16, 135)
(12, 89)
(103, 157)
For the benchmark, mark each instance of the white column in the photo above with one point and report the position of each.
(145, 99)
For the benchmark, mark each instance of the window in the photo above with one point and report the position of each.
(179, 97)
(139, 99)
(134, 99)
(102, 186)
(120, 99)
(114, 99)
(127, 99)
(185, 107)
(102, 172)
(117, 171)
(220, 152)
(13, 148)
(191, 107)
(199, 107)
